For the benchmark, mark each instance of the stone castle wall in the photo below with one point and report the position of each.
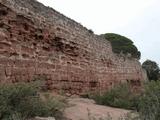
(37, 41)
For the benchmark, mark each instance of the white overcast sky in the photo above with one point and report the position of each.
(138, 20)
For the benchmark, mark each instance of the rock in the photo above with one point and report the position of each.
(44, 118)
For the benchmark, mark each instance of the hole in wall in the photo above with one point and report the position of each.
(46, 48)
(1, 24)
(93, 84)
(3, 12)
(39, 37)
(58, 29)
(11, 35)
(58, 43)
(25, 56)
(26, 27)
(20, 33)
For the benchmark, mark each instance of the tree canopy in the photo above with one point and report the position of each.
(122, 44)
(152, 69)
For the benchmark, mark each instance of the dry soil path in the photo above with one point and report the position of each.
(86, 109)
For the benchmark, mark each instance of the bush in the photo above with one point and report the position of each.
(119, 96)
(152, 69)
(22, 100)
(149, 103)
(122, 44)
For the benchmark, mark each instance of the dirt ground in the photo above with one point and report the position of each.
(86, 109)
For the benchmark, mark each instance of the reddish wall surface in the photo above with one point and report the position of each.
(38, 41)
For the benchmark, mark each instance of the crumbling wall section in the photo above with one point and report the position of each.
(37, 41)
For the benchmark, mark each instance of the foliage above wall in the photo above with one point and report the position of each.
(121, 44)
(152, 69)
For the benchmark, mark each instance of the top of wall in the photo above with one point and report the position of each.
(48, 16)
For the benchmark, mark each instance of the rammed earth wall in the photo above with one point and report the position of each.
(37, 41)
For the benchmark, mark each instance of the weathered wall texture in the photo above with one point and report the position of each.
(36, 40)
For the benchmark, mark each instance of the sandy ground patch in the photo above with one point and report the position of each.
(86, 109)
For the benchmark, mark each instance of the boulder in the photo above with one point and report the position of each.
(44, 118)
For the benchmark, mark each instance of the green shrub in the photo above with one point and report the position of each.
(23, 100)
(152, 69)
(120, 96)
(122, 44)
(149, 103)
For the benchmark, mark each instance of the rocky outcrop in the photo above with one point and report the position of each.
(37, 41)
